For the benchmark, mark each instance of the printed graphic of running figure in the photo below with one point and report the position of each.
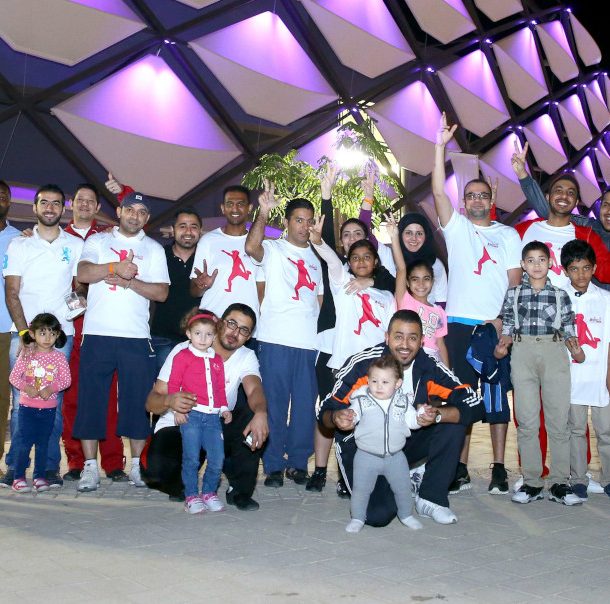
(584, 333)
(122, 254)
(238, 270)
(304, 280)
(367, 314)
(484, 258)
(554, 265)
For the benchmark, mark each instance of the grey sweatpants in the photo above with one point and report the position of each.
(367, 467)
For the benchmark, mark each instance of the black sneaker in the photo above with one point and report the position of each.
(54, 479)
(6, 482)
(275, 479)
(72, 475)
(562, 493)
(461, 482)
(342, 490)
(499, 480)
(298, 476)
(118, 476)
(526, 494)
(317, 481)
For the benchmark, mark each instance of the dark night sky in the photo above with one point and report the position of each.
(591, 13)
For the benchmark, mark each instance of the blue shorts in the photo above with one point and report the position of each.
(135, 362)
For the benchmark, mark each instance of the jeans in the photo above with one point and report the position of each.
(54, 452)
(202, 431)
(162, 347)
(35, 427)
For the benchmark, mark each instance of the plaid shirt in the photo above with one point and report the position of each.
(537, 311)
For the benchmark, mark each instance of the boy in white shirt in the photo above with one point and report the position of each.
(591, 304)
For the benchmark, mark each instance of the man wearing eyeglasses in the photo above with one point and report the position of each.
(484, 261)
(163, 457)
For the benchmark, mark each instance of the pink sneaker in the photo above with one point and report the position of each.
(21, 486)
(194, 505)
(40, 485)
(212, 503)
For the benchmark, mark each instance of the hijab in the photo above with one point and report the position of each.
(427, 252)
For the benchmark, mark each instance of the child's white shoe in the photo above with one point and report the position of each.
(354, 526)
(411, 522)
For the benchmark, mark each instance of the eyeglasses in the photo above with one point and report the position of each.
(232, 325)
(473, 196)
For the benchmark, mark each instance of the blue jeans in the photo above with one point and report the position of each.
(162, 347)
(54, 452)
(35, 427)
(202, 431)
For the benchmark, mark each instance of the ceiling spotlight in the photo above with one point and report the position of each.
(430, 69)
(568, 10)
(487, 41)
(533, 22)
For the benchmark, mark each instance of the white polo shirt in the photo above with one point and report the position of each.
(46, 271)
(239, 365)
(237, 274)
(114, 310)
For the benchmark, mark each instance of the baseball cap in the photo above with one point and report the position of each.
(134, 198)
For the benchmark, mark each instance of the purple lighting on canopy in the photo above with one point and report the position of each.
(474, 71)
(555, 29)
(574, 106)
(265, 45)
(115, 7)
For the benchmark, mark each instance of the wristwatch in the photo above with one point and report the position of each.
(437, 419)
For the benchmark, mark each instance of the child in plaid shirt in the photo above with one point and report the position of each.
(537, 319)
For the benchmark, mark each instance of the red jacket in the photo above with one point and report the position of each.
(94, 228)
(584, 233)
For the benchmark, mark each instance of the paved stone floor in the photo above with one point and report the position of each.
(123, 544)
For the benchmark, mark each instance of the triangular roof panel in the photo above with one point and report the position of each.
(545, 144)
(446, 20)
(589, 189)
(574, 121)
(496, 10)
(557, 50)
(597, 106)
(603, 160)
(586, 46)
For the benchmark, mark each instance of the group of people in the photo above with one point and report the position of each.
(247, 334)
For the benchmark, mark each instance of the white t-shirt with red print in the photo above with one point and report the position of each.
(479, 258)
(111, 309)
(592, 310)
(555, 238)
(237, 274)
(293, 282)
(362, 319)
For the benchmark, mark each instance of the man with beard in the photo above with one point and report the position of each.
(484, 261)
(442, 427)
(125, 270)
(38, 276)
(162, 459)
(222, 272)
(7, 233)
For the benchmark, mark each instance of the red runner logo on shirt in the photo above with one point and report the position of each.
(238, 270)
(303, 280)
(484, 258)
(122, 254)
(584, 333)
(553, 264)
(367, 314)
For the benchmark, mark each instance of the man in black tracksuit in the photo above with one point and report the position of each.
(440, 439)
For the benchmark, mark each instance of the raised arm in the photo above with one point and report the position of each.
(366, 209)
(533, 193)
(335, 266)
(327, 182)
(442, 203)
(254, 241)
(399, 260)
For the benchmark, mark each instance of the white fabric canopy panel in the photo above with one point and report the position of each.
(607, 89)
(446, 20)
(603, 160)
(265, 70)
(496, 164)
(145, 127)
(198, 3)
(496, 10)
(557, 50)
(474, 94)
(597, 106)
(362, 34)
(574, 121)
(66, 31)
(408, 121)
(545, 144)
(520, 67)
(589, 189)
(587, 48)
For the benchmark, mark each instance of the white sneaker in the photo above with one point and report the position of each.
(194, 505)
(135, 478)
(354, 526)
(89, 480)
(412, 522)
(594, 486)
(438, 513)
(212, 503)
(517, 486)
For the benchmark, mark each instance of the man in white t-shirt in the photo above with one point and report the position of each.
(287, 336)
(125, 270)
(222, 271)
(484, 261)
(38, 274)
(162, 459)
